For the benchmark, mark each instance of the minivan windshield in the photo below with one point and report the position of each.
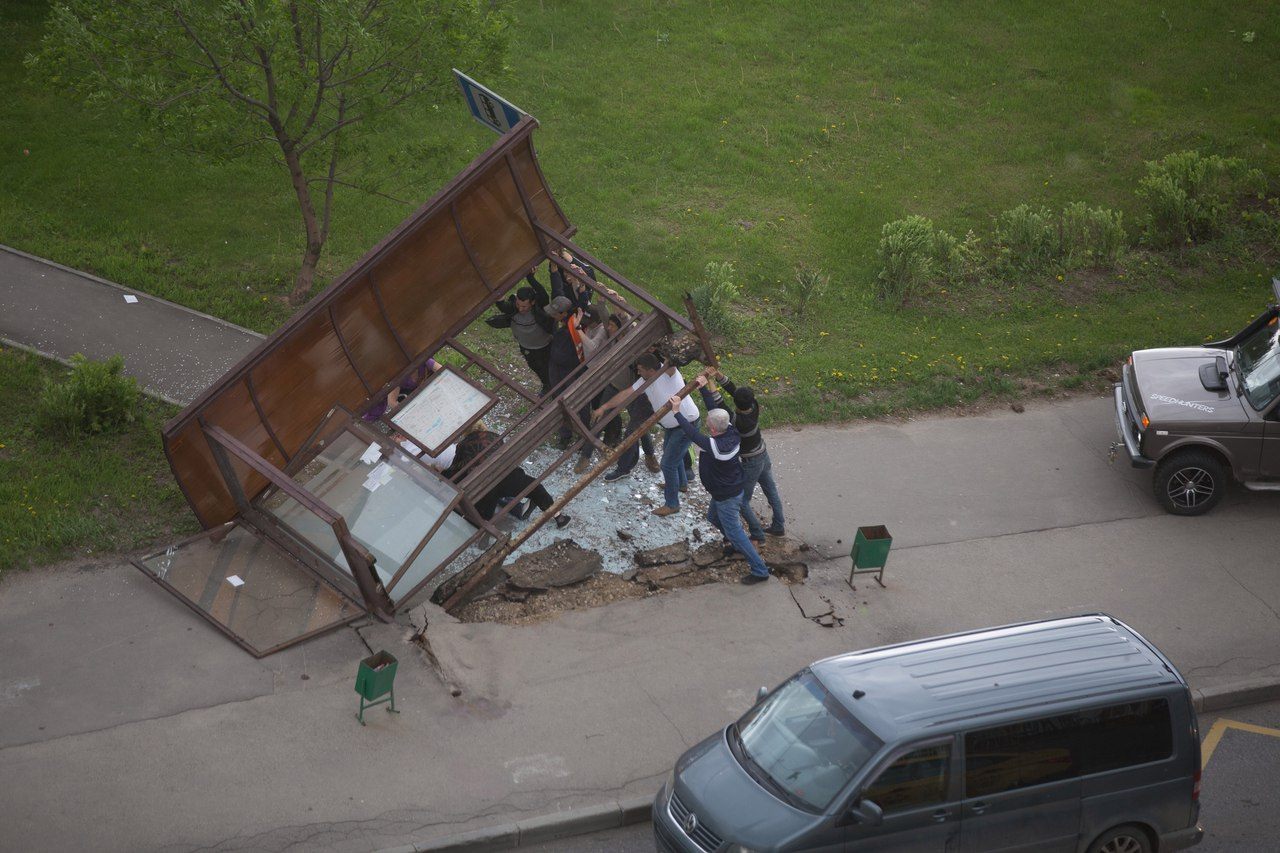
(803, 742)
(1258, 358)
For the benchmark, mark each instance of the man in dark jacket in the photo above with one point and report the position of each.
(531, 327)
(756, 465)
(475, 443)
(720, 470)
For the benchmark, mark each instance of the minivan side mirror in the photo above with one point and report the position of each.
(866, 813)
(761, 693)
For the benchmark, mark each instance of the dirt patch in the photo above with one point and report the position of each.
(514, 604)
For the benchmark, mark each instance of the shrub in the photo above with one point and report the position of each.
(809, 286)
(1090, 236)
(715, 297)
(1189, 195)
(1025, 238)
(913, 254)
(95, 397)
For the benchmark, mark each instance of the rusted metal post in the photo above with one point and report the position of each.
(494, 559)
(704, 340)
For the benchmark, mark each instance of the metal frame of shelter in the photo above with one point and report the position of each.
(242, 452)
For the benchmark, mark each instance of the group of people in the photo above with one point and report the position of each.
(732, 457)
(558, 331)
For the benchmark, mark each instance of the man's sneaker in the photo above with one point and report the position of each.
(756, 537)
(615, 475)
(666, 510)
(524, 511)
(562, 520)
(651, 462)
(584, 463)
(775, 530)
(729, 551)
(749, 580)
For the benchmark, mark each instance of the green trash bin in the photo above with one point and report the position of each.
(870, 552)
(375, 682)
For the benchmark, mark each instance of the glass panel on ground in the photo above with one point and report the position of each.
(253, 589)
(387, 509)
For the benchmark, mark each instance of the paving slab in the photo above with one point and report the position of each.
(173, 351)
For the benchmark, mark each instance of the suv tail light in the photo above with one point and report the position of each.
(1195, 787)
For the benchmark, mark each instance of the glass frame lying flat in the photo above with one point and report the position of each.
(222, 599)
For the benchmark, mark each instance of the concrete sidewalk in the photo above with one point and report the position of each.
(55, 311)
(128, 723)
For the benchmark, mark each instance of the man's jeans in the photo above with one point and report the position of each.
(758, 469)
(726, 516)
(675, 444)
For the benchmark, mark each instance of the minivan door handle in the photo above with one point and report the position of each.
(978, 807)
(940, 816)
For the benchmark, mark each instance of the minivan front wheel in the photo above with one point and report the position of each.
(1122, 839)
(1190, 482)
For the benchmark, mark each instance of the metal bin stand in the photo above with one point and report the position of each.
(376, 678)
(870, 552)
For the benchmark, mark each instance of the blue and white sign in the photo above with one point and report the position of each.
(488, 107)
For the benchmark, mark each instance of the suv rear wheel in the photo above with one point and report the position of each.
(1190, 482)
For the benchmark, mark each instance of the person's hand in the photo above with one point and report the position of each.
(596, 413)
(675, 402)
(614, 294)
(700, 380)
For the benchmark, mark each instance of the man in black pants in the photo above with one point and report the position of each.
(476, 442)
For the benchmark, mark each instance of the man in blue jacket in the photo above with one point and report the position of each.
(720, 470)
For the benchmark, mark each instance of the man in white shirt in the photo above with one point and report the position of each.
(675, 443)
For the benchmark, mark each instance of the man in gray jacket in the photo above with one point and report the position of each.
(531, 327)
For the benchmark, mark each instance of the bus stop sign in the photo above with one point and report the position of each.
(488, 108)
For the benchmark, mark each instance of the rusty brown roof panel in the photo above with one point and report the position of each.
(433, 274)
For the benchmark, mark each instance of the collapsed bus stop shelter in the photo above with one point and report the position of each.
(313, 516)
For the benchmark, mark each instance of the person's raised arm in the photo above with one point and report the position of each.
(612, 403)
(703, 442)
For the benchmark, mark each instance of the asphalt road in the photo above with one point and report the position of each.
(1239, 792)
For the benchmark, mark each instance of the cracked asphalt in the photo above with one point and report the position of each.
(128, 723)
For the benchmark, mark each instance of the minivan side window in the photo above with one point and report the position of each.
(1069, 745)
(918, 778)
(1020, 755)
(1125, 735)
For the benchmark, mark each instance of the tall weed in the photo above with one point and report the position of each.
(95, 397)
(913, 253)
(1189, 196)
(715, 297)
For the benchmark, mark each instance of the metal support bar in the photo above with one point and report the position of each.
(498, 554)
(583, 429)
(492, 369)
(616, 276)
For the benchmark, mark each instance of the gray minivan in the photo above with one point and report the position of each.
(1061, 735)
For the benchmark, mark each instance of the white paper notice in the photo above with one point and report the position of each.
(445, 405)
(410, 447)
(235, 580)
(130, 298)
(371, 454)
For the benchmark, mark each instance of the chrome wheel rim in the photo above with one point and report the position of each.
(1122, 844)
(1189, 488)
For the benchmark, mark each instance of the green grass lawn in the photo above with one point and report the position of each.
(96, 494)
(773, 135)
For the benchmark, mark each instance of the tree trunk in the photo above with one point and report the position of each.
(305, 278)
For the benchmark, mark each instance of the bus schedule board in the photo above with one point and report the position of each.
(442, 410)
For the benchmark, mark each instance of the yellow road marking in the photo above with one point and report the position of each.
(1219, 728)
